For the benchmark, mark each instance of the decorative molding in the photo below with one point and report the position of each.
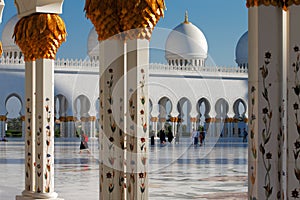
(26, 7)
(284, 4)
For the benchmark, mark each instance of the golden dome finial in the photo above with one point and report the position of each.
(186, 18)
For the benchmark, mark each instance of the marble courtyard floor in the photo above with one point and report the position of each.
(217, 170)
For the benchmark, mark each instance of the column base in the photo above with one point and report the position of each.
(20, 197)
(37, 196)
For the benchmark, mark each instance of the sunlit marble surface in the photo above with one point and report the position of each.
(217, 170)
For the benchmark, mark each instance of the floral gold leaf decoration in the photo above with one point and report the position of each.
(119, 19)
(39, 35)
(284, 4)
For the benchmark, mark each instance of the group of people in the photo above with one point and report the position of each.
(198, 136)
(162, 136)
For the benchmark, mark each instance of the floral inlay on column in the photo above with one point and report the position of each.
(138, 134)
(296, 148)
(131, 147)
(49, 147)
(266, 132)
(29, 169)
(252, 142)
(144, 136)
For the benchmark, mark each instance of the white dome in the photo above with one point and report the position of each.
(241, 51)
(8, 32)
(93, 47)
(10, 48)
(186, 41)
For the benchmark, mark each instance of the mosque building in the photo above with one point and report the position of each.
(185, 93)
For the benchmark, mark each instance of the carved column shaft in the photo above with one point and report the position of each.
(265, 101)
(137, 119)
(292, 161)
(44, 129)
(30, 70)
(112, 119)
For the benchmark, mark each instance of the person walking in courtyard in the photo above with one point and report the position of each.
(84, 142)
(152, 135)
(162, 136)
(195, 136)
(245, 135)
(170, 134)
(177, 137)
(202, 137)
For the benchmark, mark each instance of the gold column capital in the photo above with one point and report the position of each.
(133, 19)
(3, 118)
(39, 35)
(284, 4)
(70, 119)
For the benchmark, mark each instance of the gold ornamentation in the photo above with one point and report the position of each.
(62, 119)
(70, 119)
(284, 4)
(40, 35)
(154, 119)
(186, 18)
(119, 19)
(3, 118)
(193, 119)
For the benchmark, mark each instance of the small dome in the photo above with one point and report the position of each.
(187, 42)
(8, 32)
(241, 51)
(93, 47)
(10, 48)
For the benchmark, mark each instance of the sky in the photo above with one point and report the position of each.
(223, 22)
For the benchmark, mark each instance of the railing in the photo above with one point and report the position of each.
(163, 68)
(59, 63)
(76, 64)
(11, 61)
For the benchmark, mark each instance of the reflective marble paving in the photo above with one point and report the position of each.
(217, 170)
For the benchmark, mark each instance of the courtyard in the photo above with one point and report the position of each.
(216, 170)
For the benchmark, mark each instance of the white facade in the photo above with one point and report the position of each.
(177, 90)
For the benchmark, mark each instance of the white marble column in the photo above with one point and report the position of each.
(93, 126)
(265, 100)
(292, 158)
(154, 121)
(193, 121)
(71, 127)
(39, 149)
(2, 125)
(30, 91)
(62, 127)
(236, 128)
(23, 127)
(112, 120)
(137, 119)
(44, 152)
(39, 54)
